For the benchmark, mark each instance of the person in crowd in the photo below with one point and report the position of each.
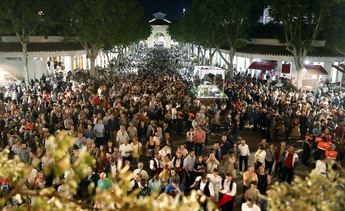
(215, 184)
(211, 163)
(122, 136)
(278, 159)
(188, 166)
(137, 149)
(289, 164)
(190, 139)
(99, 129)
(260, 155)
(132, 131)
(155, 185)
(174, 188)
(126, 150)
(140, 170)
(248, 177)
(200, 167)
(263, 181)
(177, 163)
(229, 190)
(155, 165)
(203, 184)
(151, 147)
(244, 154)
(174, 176)
(104, 183)
(269, 158)
(249, 205)
(225, 146)
(199, 139)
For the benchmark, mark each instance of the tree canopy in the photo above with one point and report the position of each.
(217, 24)
(105, 23)
(302, 22)
(74, 169)
(22, 19)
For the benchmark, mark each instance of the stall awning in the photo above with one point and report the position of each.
(340, 67)
(265, 65)
(286, 68)
(316, 70)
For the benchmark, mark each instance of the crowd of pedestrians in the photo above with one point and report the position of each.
(137, 118)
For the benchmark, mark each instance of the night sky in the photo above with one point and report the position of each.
(173, 8)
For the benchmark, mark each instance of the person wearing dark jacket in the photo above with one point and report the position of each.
(202, 183)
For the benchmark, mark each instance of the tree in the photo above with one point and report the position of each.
(215, 24)
(22, 19)
(335, 32)
(134, 29)
(59, 148)
(102, 23)
(312, 193)
(302, 21)
(233, 24)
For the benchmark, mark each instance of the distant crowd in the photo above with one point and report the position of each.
(149, 121)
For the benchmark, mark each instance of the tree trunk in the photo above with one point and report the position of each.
(229, 63)
(211, 54)
(26, 61)
(299, 69)
(93, 52)
(199, 50)
(203, 54)
(299, 56)
(108, 57)
(192, 46)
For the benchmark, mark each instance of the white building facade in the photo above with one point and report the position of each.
(320, 65)
(46, 56)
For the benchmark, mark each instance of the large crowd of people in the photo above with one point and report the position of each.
(149, 121)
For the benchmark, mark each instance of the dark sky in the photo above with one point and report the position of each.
(173, 8)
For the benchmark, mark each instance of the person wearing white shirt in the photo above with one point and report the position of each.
(155, 165)
(320, 168)
(140, 170)
(249, 205)
(260, 155)
(215, 184)
(126, 150)
(230, 189)
(243, 155)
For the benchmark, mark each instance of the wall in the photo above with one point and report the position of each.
(13, 62)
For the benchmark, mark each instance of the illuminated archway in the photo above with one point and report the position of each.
(159, 40)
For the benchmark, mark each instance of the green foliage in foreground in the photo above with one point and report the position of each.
(315, 192)
(115, 198)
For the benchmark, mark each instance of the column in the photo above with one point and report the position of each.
(339, 77)
(68, 63)
(85, 62)
(328, 68)
(279, 68)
